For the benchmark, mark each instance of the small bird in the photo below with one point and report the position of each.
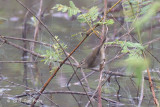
(95, 58)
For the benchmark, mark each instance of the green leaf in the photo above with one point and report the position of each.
(107, 22)
(72, 4)
(72, 10)
(129, 47)
(33, 21)
(79, 33)
(70, 13)
(91, 15)
(55, 53)
(60, 7)
(136, 64)
(125, 49)
(2, 20)
(150, 13)
(133, 8)
(134, 45)
(65, 8)
(81, 18)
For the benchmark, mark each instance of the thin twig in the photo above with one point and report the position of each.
(19, 47)
(19, 61)
(36, 31)
(142, 91)
(28, 40)
(24, 87)
(151, 84)
(85, 78)
(119, 87)
(68, 92)
(104, 32)
(38, 42)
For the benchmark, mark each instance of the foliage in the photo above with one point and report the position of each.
(79, 33)
(129, 47)
(150, 13)
(55, 54)
(134, 8)
(108, 22)
(72, 10)
(33, 21)
(2, 20)
(137, 65)
(88, 17)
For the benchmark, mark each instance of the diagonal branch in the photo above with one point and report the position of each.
(19, 47)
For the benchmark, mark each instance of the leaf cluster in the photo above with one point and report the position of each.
(55, 53)
(90, 16)
(136, 65)
(2, 20)
(129, 47)
(33, 21)
(71, 10)
(135, 62)
(134, 8)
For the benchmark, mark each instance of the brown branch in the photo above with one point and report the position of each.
(104, 28)
(151, 84)
(18, 61)
(1, 78)
(42, 43)
(55, 72)
(28, 40)
(19, 47)
(36, 31)
(152, 89)
(68, 92)
(152, 41)
(113, 73)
